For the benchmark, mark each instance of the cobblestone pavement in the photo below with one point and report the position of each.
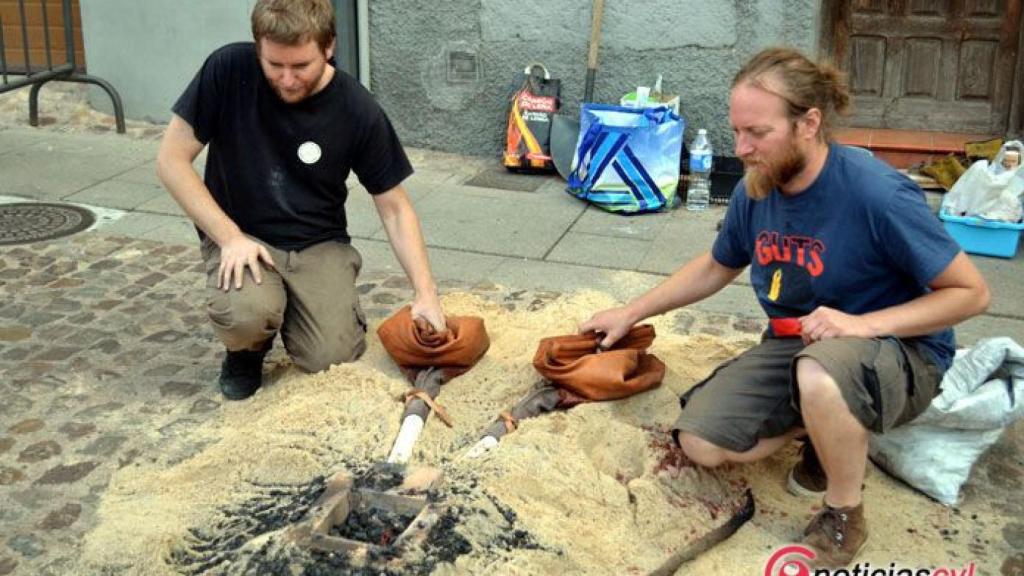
(106, 357)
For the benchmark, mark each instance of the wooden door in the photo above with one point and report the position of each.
(945, 65)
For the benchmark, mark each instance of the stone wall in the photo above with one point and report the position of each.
(696, 45)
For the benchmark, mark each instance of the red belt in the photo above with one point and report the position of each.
(785, 327)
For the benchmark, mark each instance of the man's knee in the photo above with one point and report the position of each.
(243, 322)
(813, 381)
(700, 451)
(321, 356)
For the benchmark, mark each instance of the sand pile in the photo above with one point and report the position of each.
(588, 491)
(592, 490)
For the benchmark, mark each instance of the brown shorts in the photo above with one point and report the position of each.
(311, 299)
(885, 382)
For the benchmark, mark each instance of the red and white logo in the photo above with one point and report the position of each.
(790, 561)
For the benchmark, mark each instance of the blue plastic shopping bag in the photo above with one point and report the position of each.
(627, 159)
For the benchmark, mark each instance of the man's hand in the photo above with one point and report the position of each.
(428, 307)
(235, 255)
(613, 323)
(827, 322)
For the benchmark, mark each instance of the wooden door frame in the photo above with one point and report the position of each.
(832, 9)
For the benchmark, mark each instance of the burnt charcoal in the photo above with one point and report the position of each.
(373, 525)
(380, 477)
(443, 542)
(518, 540)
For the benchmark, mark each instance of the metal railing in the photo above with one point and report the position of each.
(36, 78)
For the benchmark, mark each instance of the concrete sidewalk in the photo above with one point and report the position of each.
(544, 239)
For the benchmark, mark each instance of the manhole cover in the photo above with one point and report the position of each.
(25, 222)
(504, 180)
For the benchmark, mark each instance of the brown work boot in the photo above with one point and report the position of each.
(836, 535)
(807, 477)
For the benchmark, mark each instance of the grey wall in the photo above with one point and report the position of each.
(697, 45)
(150, 51)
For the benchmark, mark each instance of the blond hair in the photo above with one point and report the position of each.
(294, 22)
(803, 84)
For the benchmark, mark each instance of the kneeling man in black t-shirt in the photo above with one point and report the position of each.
(284, 129)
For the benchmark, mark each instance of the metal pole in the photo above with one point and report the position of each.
(24, 36)
(69, 33)
(3, 51)
(46, 35)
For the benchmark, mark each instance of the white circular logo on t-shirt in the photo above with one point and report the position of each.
(309, 152)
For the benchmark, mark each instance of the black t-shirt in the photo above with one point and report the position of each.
(277, 169)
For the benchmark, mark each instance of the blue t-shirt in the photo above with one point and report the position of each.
(861, 238)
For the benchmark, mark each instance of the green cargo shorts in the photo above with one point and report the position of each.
(311, 299)
(885, 382)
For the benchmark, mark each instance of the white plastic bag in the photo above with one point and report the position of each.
(988, 190)
(982, 393)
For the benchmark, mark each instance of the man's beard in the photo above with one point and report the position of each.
(294, 96)
(761, 179)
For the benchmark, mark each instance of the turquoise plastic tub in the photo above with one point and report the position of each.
(980, 236)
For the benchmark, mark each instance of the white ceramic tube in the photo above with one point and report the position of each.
(483, 446)
(407, 435)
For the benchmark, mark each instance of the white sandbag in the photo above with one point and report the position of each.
(982, 393)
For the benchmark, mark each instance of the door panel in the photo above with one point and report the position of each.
(928, 64)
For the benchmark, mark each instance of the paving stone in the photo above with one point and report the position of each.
(6, 444)
(92, 412)
(108, 346)
(87, 337)
(27, 426)
(53, 332)
(397, 282)
(56, 354)
(749, 325)
(684, 322)
(37, 319)
(107, 304)
(385, 298)
(203, 405)
(12, 404)
(39, 451)
(65, 474)
(179, 389)
(163, 371)
(151, 280)
(63, 306)
(26, 544)
(104, 445)
(62, 517)
(83, 318)
(61, 283)
(106, 264)
(178, 428)
(165, 337)
(14, 333)
(9, 476)
(16, 354)
(76, 430)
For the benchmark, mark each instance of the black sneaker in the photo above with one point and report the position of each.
(807, 478)
(241, 373)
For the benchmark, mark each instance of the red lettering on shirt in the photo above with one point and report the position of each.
(791, 249)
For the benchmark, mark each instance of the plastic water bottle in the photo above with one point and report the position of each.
(698, 193)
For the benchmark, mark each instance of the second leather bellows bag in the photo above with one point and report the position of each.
(574, 363)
